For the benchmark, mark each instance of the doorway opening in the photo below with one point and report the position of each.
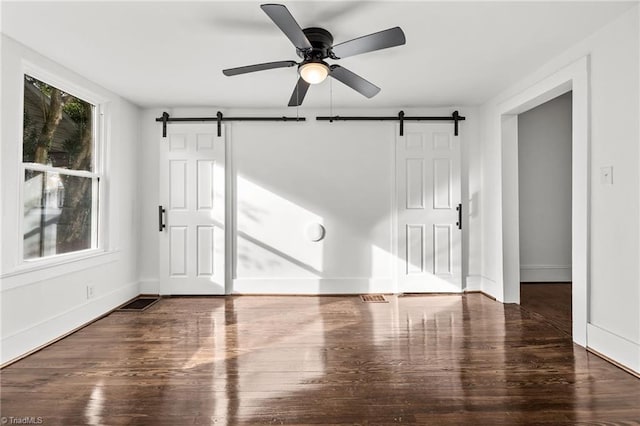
(544, 198)
(573, 78)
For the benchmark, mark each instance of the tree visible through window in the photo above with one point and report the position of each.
(60, 178)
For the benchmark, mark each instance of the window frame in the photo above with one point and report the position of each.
(99, 131)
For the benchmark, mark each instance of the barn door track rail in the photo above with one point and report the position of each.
(219, 118)
(455, 117)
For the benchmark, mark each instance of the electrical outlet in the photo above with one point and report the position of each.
(90, 291)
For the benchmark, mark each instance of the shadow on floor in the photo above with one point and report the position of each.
(552, 301)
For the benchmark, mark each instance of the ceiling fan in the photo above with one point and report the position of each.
(314, 45)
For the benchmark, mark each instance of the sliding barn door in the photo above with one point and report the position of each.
(428, 179)
(192, 193)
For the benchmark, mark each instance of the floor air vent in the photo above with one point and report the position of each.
(373, 298)
(139, 304)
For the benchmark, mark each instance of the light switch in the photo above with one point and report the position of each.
(606, 175)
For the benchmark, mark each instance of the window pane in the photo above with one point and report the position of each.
(57, 127)
(58, 213)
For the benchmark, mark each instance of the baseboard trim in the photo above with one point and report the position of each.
(614, 362)
(490, 288)
(480, 292)
(305, 294)
(545, 273)
(435, 288)
(27, 341)
(478, 284)
(313, 286)
(57, 339)
(619, 350)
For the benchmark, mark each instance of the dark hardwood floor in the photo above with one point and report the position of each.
(550, 300)
(438, 360)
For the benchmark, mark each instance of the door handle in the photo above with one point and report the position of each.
(161, 224)
(459, 222)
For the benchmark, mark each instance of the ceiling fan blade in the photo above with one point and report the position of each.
(258, 67)
(354, 81)
(376, 41)
(281, 16)
(299, 93)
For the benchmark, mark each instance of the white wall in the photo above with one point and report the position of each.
(42, 302)
(288, 175)
(544, 181)
(614, 299)
(473, 196)
(148, 189)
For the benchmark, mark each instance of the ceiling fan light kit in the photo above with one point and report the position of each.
(314, 45)
(314, 72)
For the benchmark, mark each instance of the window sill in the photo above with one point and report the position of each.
(32, 271)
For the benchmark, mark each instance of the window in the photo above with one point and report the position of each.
(60, 172)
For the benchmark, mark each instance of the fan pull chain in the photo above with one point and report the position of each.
(330, 97)
(297, 103)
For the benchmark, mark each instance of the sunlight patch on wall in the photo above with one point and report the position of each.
(381, 262)
(273, 235)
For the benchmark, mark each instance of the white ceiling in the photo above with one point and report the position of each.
(172, 53)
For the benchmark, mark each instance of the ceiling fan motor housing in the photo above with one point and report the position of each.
(321, 41)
